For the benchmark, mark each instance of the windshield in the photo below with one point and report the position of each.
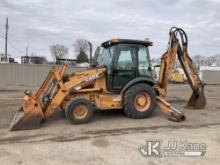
(105, 58)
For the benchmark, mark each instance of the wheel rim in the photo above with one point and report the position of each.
(80, 111)
(142, 101)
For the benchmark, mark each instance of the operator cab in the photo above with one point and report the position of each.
(125, 60)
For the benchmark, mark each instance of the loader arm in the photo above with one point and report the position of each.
(49, 97)
(197, 99)
(30, 115)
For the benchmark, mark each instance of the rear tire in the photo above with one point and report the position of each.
(139, 101)
(79, 111)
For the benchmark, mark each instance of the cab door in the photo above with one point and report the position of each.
(124, 66)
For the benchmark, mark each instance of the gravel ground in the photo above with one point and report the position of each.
(111, 138)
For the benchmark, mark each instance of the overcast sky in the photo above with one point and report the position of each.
(39, 23)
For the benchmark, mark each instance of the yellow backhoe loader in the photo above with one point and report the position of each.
(121, 79)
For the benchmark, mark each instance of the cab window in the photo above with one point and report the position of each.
(126, 57)
(105, 58)
(143, 61)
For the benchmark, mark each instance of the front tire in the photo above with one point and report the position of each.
(79, 111)
(139, 101)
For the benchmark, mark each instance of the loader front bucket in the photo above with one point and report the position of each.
(22, 121)
(27, 117)
(197, 99)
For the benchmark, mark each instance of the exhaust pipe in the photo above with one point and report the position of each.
(90, 52)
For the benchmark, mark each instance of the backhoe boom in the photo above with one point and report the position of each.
(197, 99)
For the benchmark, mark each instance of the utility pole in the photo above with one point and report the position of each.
(26, 52)
(6, 40)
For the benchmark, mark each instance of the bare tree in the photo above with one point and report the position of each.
(82, 57)
(80, 45)
(58, 51)
(81, 48)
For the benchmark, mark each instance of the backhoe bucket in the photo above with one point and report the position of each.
(27, 117)
(197, 99)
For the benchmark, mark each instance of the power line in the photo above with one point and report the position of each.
(2, 36)
(7, 41)
(15, 39)
(12, 45)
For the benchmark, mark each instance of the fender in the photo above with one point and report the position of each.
(147, 80)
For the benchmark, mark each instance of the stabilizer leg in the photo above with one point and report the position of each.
(171, 112)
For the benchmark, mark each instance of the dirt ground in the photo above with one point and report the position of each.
(111, 138)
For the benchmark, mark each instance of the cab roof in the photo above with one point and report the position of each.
(126, 41)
